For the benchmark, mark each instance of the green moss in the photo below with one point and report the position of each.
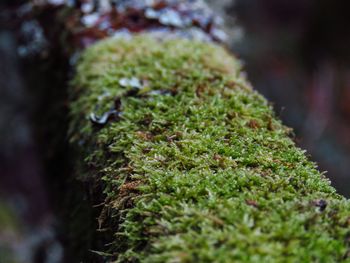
(206, 175)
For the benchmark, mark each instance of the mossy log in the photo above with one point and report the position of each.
(194, 164)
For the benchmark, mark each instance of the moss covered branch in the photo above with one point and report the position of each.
(194, 164)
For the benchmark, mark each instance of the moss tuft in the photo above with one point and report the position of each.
(205, 173)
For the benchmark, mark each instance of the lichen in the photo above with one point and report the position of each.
(204, 174)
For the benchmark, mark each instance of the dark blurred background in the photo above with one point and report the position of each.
(296, 53)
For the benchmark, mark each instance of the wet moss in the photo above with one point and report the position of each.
(205, 173)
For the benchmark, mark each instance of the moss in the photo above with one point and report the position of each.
(208, 174)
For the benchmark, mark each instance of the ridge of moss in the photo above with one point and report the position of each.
(208, 174)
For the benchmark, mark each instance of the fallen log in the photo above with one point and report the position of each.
(192, 164)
